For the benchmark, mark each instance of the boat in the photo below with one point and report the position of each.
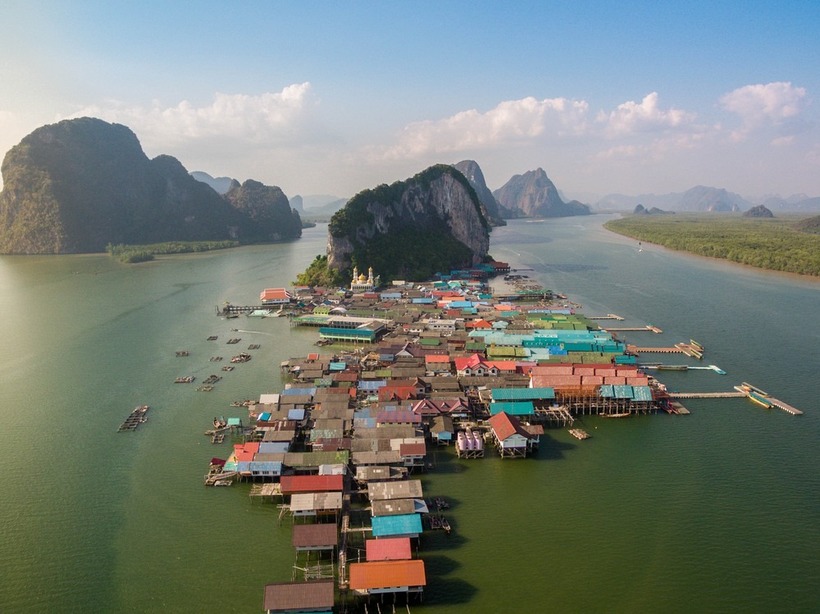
(445, 524)
(672, 367)
(717, 370)
(624, 414)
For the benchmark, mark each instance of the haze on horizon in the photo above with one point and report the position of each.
(333, 98)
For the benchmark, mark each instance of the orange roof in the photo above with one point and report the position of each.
(387, 574)
(274, 294)
(387, 549)
(503, 365)
(437, 358)
(252, 447)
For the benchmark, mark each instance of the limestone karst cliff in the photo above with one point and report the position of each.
(411, 229)
(534, 195)
(472, 171)
(80, 184)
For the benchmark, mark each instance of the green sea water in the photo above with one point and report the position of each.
(713, 512)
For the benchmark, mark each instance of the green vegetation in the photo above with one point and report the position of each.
(412, 253)
(774, 244)
(319, 274)
(144, 253)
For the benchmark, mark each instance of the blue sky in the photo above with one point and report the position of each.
(335, 97)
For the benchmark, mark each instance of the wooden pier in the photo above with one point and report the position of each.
(609, 316)
(762, 398)
(742, 391)
(679, 348)
(707, 395)
(627, 329)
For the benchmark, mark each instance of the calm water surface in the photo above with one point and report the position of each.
(717, 511)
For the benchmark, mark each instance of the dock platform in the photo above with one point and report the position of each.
(637, 329)
(609, 316)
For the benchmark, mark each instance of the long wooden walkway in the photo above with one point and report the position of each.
(627, 329)
(707, 395)
(741, 392)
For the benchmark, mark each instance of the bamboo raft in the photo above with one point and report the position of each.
(579, 434)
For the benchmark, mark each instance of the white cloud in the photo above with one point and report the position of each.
(645, 116)
(266, 117)
(764, 104)
(509, 122)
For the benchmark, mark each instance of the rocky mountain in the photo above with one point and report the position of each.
(297, 204)
(759, 211)
(80, 184)
(794, 203)
(219, 184)
(472, 171)
(411, 229)
(703, 198)
(267, 210)
(699, 198)
(322, 208)
(641, 210)
(534, 195)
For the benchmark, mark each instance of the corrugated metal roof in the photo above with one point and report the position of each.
(318, 536)
(401, 524)
(397, 507)
(513, 408)
(522, 394)
(311, 483)
(623, 392)
(642, 393)
(298, 596)
(388, 549)
(314, 459)
(315, 501)
(387, 574)
(406, 489)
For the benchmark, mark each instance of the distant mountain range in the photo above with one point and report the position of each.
(317, 206)
(703, 199)
(221, 185)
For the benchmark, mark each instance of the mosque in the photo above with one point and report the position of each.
(361, 283)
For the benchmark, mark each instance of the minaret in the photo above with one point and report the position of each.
(370, 276)
(355, 275)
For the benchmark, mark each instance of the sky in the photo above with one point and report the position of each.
(332, 97)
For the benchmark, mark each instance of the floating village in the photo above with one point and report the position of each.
(474, 363)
